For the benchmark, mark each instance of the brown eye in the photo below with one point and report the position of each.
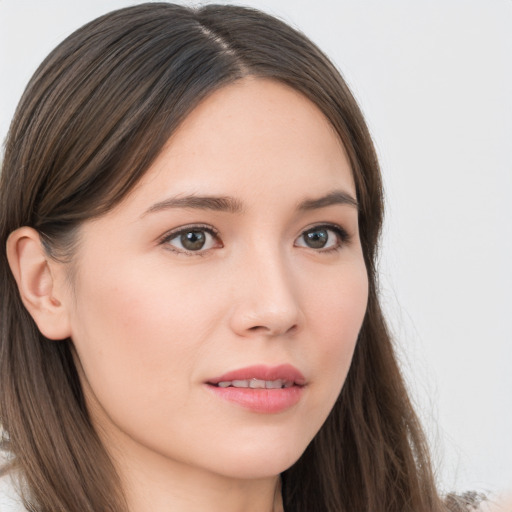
(316, 239)
(193, 240)
(321, 237)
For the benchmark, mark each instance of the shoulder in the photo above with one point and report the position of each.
(497, 504)
(478, 502)
(9, 497)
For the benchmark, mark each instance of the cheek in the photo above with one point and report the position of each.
(137, 331)
(336, 312)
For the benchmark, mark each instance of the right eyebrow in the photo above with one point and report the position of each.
(216, 203)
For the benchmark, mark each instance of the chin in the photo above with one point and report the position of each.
(259, 460)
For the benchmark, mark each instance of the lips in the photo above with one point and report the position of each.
(285, 372)
(262, 389)
(256, 384)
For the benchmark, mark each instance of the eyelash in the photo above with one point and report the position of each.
(187, 229)
(341, 234)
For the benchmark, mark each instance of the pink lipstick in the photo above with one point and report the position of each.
(263, 389)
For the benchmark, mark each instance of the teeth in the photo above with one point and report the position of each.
(256, 384)
(274, 384)
(240, 383)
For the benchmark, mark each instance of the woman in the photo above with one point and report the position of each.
(191, 206)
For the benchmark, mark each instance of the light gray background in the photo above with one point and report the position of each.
(434, 79)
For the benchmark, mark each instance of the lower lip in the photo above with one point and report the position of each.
(267, 401)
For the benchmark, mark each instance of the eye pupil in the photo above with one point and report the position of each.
(193, 240)
(317, 238)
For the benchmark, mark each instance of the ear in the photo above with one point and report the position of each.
(40, 282)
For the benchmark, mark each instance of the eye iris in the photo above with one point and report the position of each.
(316, 239)
(193, 240)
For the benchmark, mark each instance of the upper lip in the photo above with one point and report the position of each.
(285, 372)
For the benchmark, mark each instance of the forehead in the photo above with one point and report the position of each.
(257, 138)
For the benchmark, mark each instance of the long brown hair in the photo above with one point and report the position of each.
(91, 121)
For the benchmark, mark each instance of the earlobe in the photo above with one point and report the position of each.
(34, 273)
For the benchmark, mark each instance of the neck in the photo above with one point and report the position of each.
(185, 489)
(158, 484)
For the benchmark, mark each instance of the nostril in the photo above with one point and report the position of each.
(292, 329)
(272, 331)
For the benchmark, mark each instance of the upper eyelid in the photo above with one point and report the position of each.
(327, 225)
(333, 225)
(172, 233)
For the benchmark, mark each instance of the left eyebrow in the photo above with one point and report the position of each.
(335, 197)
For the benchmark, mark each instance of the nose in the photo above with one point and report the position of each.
(266, 298)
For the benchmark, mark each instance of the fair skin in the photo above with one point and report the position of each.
(168, 293)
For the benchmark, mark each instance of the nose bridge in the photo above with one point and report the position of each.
(267, 298)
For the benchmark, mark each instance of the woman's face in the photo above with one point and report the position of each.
(215, 311)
